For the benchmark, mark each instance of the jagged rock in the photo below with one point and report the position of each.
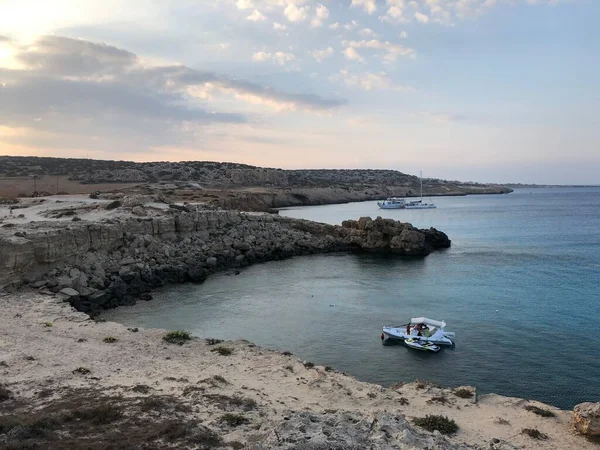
(211, 262)
(586, 419)
(138, 211)
(70, 292)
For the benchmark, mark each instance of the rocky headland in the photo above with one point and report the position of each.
(69, 381)
(225, 185)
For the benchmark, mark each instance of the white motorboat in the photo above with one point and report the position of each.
(422, 329)
(422, 345)
(392, 203)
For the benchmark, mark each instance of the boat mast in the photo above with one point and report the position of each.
(421, 186)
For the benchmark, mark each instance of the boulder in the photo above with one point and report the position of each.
(586, 419)
(211, 262)
(138, 211)
(70, 292)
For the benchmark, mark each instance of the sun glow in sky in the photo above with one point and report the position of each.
(483, 90)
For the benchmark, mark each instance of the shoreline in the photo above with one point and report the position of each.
(285, 401)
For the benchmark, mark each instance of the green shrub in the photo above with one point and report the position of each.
(178, 337)
(436, 422)
(309, 365)
(48, 324)
(82, 370)
(234, 420)
(463, 393)
(223, 351)
(110, 339)
(540, 411)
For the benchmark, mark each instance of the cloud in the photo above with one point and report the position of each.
(404, 35)
(321, 15)
(86, 90)
(279, 57)
(256, 16)
(334, 26)
(279, 27)
(351, 54)
(392, 51)
(369, 81)
(353, 25)
(423, 18)
(367, 32)
(244, 4)
(295, 13)
(368, 5)
(321, 55)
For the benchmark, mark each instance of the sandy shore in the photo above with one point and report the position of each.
(282, 403)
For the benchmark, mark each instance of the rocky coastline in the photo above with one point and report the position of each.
(136, 247)
(69, 381)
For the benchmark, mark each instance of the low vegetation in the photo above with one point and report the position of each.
(287, 353)
(463, 393)
(226, 402)
(436, 422)
(234, 420)
(178, 337)
(220, 379)
(4, 393)
(212, 341)
(289, 367)
(89, 419)
(534, 433)
(222, 350)
(540, 411)
(82, 371)
(109, 339)
(48, 324)
(309, 365)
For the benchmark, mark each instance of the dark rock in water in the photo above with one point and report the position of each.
(197, 274)
(99, 298)
(118, 289)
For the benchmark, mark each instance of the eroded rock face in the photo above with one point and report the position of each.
(113, 262)
(586, 419)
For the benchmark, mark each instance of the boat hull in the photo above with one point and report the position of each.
(421, 345)
(399, 333)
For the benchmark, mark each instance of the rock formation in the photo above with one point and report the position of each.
(586, 419)
(96, 265)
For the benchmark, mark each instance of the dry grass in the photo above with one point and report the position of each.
(89, 419)
(109, 339)
(540, 411)
(534, 433)
(222, 350)
(234, 420)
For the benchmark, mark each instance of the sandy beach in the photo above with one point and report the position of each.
(44, 341)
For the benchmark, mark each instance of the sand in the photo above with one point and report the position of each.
(38, 357)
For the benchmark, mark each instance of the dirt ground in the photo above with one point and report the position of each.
(21, 186)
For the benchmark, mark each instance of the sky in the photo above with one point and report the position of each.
(471, 90)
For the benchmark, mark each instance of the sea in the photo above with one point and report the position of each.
(520, 287)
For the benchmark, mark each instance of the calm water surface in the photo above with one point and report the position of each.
(520, 287)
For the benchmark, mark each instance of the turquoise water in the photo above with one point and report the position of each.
(520, 287)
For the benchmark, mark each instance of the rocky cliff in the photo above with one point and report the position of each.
(104, 264)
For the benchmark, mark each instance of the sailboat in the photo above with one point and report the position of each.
(418, 204)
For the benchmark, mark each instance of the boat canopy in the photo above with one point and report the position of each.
(426, 321)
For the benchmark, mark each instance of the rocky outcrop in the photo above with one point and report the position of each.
(116, 261)
(586, 419)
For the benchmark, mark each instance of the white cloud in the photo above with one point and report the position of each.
(334, 26)
(351, 25)
(256, 16)
(279, 26)
(367, 32)
(423, 18)
(351, 54)
(393, 51)
(404, 35)
(369, 81)
(321, 15)
(295, 13)
(244, 4)
(321, 55)
(280, 58)
(368, 5)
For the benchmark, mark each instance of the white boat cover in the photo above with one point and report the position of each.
(426, 321)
